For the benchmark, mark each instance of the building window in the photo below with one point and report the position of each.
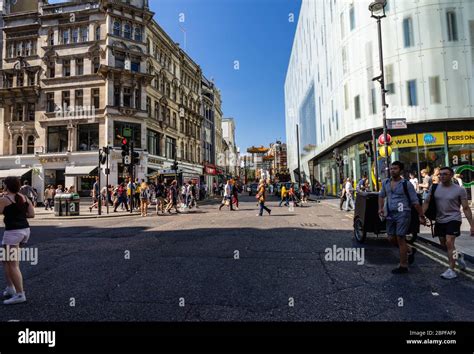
(96, 98)
(138, 34)
(390, 85)
(408, 32)
(51, 69)
(51, 38)
(50, 102)
(79, 66)
(65, 36)
(127, 97)
(148, 106)
(31, 79)
(157, 111)
(452, 26)
(117, 96)
(79, 98)
(19, 112)
(19, 146)
(127, 31)
(153, 142)
(31, 111)
(66, 100)
(352, 16)
(411, 92)
(357, 106)
(84, 34)
(120, 61)
(175, 120)
(57, 138)
(97, 33)
(19, 79)
(95, 65)
(170, 148)
(66, 68)
(434, 90)
(344, 60)
(346, 97)
(30, 147)
(373, 101)
(117, 28)
(88, 137)
(135, 66)
(75, 35)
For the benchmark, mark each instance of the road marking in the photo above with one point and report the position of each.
(429, 253)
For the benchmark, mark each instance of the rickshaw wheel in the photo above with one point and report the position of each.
(359, 233)
(412, 238)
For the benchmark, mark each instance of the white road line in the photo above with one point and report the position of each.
(429, 255)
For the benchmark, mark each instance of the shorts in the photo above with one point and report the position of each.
(449, 228)
(15, 237)
(398, 224)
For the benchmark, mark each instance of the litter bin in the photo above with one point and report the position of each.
(60, 205)
(72, 204)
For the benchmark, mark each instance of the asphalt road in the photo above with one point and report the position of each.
(211, 265)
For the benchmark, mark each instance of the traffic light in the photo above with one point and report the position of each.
(174, 167)
(369, 151)
(136, 158)
(125, 148)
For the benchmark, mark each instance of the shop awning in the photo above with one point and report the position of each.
(79, 170)
(14, 172)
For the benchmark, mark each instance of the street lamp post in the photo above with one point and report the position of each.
(377, 10)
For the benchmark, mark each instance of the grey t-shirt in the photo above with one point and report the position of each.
(397, 198)
(448, 202)
(427, 180)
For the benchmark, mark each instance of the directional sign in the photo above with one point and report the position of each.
(397, 123)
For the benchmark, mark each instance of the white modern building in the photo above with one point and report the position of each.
(228, 134)
(428, 53)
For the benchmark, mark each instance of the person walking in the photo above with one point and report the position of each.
(48, 198)
(262, 189)
(448, 198)
(283, 195)
(292, 195)
(342, 197)
(28, 192)
(144, 199)
(95, 195)
(414, 181)
(17, 209)
(235, 195)
(173, 198)
(362, 185)
(227, 198)
(160, 197)
(425, 186)
(349, 191)
(121, 199)
(401, 197)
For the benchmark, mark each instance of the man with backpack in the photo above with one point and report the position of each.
(400, 197)
(443, 204)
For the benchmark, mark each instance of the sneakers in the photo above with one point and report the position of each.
(449, 274)
(400, 270)
(411, 256)
(15, 299)
(460, 261)
(9, 291)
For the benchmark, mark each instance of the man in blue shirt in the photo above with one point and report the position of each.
(401, 197)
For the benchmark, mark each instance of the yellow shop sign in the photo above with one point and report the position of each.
(403, 141)
(461, 138)
(431, 139)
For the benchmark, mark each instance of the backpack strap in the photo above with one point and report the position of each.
(405, 189)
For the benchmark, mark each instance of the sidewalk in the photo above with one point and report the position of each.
(464, 243)
(85, 213)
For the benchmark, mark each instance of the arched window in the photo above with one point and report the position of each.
(138, 34)
(117, 28)
(97, 33)
(127, 31)
(31, 145)
(19, 145)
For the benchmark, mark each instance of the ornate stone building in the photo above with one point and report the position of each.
(78, 76)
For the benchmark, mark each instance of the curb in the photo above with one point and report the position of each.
(468, 257)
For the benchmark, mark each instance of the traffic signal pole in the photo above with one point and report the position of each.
(99, 196)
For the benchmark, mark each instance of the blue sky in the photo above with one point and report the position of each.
(256, 33)
(259, 35)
